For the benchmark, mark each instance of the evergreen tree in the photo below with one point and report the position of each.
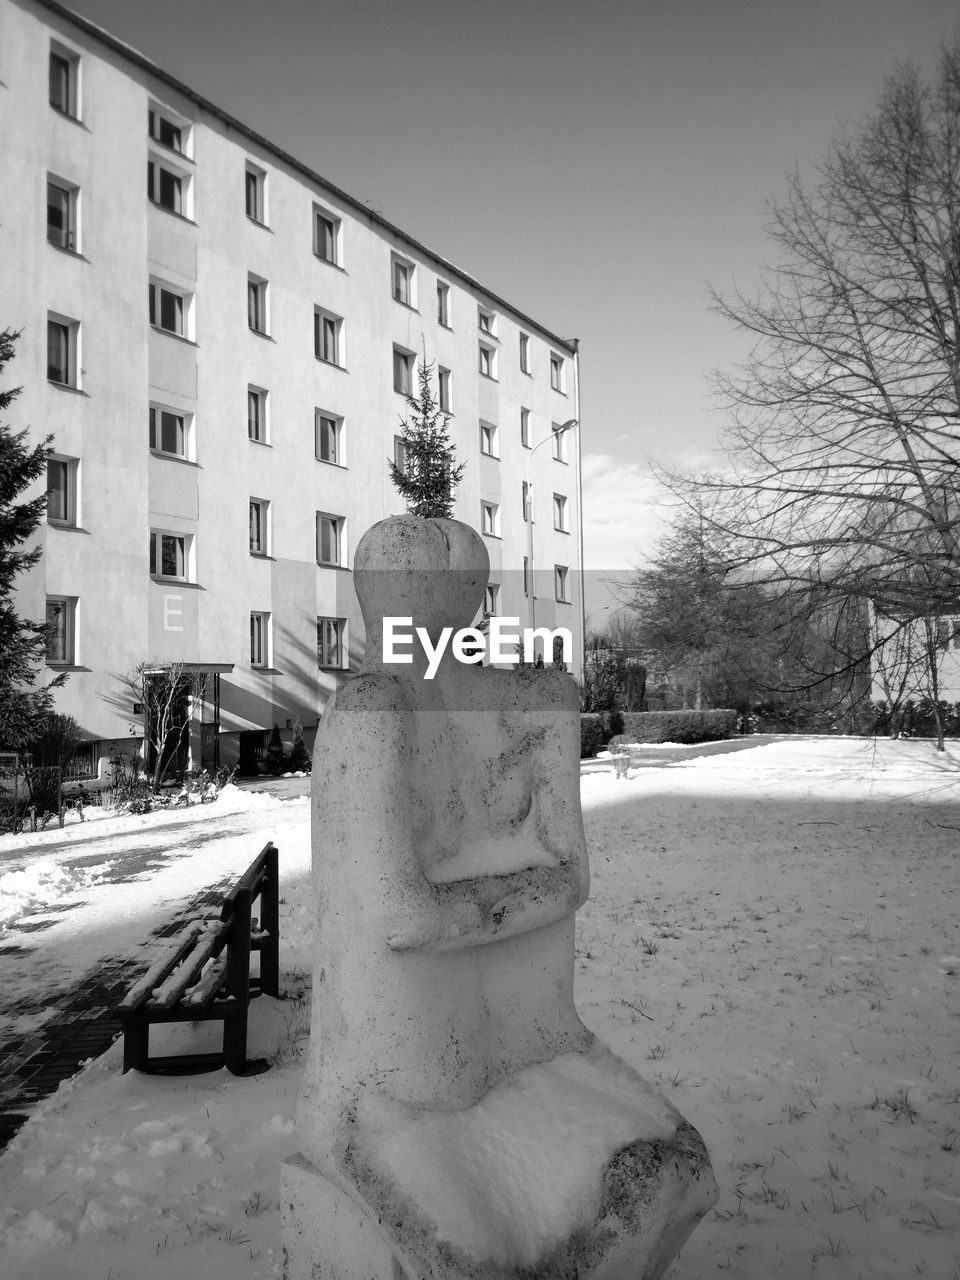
(428, 478)
(23, 707)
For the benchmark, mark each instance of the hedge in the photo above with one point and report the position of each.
(596, 729)
(678, 726)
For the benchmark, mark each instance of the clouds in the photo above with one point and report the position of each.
(624, 513)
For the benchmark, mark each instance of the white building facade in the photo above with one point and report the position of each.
(218, 342)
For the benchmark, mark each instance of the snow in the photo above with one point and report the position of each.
(772, 937)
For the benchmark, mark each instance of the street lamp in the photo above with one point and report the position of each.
(556, 432)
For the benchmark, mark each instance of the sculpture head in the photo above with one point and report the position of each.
(431, 570)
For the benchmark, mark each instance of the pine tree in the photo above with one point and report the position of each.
(428, 478)
(23, 707)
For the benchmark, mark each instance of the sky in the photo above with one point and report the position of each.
(600, 166)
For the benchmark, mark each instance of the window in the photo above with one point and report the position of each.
(259, 639)
(327, 336)
(561, 575)
(486, 321)
(169, 309)
(443, 383)
(402, 371)
(557, 372)
(62, 215)
(329, 437)
(168, 132)
(259, 527)
(330, 540)
(526, 576)
(488, 360)
(255, 186)
(170, 554)
(526, 501)
(257, 304)
(62, 491)
(326, 235)
(524, 353)
(64, 81)
(167, 188)
(62, 354)
(61, 630)
(257, 414)
(169, 431)
(490, 519)
(525, 428)
(560, 519)
(488, 439)
(443, 304)
(402, 280)
(331, 642)
(491, 598)
(400, 453)
(559, 442)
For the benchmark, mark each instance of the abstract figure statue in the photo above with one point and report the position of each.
(456, 1117)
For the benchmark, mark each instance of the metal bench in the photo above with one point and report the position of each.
(204, 975)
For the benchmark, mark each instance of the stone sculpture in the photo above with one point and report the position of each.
(456, 1117)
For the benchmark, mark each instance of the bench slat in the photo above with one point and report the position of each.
(208, 943)
(168, 960)
(208, 986)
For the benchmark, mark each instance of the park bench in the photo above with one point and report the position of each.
(204, 974)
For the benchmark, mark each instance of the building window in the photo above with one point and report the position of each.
(526, 501)
(330, 540)
(491, 598)
(326, 235)
(486, 321)
(62, 491)
(259, 639)
(525, 428)
(257, 414)
(167, 188)
(561, 583)
(169, 133)
(443, 383)
(255, 185)
(327, 336)
(170, 554)
(169, 431)
(559, 443)
(62, 215)
(560, 517)
(400, 453)
(524, 353)
(487, 360)
(61, 630)
(488, 439)
(328, 431)
(443, 304)
(331, 642)
(557, 372)
(402, 371)
(259, 527)
(62, 351)
(169, 310)
(257, 304)
(402, 280)
(65, 81)
(526, 576)
(490, 519)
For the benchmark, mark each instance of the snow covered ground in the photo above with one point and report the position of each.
(773, 936)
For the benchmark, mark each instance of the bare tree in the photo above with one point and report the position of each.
(164, 690)
(844, 440)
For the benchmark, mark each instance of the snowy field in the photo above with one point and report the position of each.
(772, 936)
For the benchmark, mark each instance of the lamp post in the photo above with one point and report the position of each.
(555, 433)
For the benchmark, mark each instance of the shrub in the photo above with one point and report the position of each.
(299, 759)
(678, 726)
(275, 758)
(591, 733)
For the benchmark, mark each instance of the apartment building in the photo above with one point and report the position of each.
(219, 342)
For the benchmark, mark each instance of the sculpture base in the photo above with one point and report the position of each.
(654, 1193)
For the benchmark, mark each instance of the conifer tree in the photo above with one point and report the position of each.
(23, 706)
(428, 478)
